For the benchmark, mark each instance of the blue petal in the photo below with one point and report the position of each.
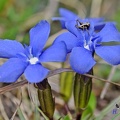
(39, 35)
(98, 23)
(9, 48)
(35, 73)
(22, 56)
(81, 60)
(67, 14)
(109, 33)
(111, 54)
(63, 24)
(69, 39)
(55, 53)
(11, 70)
(99, 26)
(71, 26)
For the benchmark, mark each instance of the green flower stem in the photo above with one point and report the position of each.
(66, 85)
(46, 100)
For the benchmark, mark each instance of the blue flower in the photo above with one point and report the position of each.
(67, 15)
(29, 59)
(83, 43)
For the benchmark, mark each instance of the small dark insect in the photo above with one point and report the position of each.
(83, 26)
(117, 106)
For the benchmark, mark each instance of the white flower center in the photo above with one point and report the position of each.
(86, 47)
(33, 60)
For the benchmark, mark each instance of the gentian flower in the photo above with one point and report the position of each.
(83, 43)
(67, 15)
(29, 59)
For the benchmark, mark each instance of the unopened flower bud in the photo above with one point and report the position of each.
(82, 91)
(46, 100)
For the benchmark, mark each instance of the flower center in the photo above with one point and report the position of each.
(88, 44)
(33, 60)
(87, 47)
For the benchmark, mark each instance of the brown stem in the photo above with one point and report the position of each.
(78, 117)
(66, 108)
(51, 119)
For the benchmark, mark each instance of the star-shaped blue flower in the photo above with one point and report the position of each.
(82, 44)
(29, 59)
(67, 15)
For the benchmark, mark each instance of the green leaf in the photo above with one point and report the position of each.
(2, 4)
(36, 115)
(20, 114)
(90, 108)
(116, 76)
(66, 117)
(10, 33)
(46, 118)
